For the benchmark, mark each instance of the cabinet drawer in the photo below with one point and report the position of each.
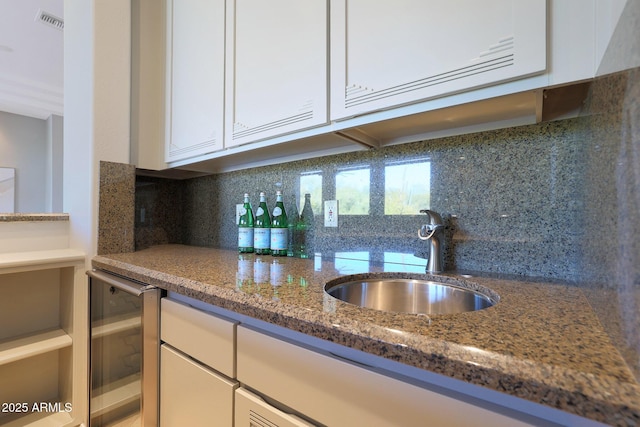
(336, 393)
(192, 395)
(207, 338)
(251, 410)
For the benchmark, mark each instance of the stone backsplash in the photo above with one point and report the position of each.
(509, 198)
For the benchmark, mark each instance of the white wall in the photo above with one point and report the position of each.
(148, 83)
(621, 22)
(607, 14)
(54, 166)
(97, 64)
(23, 146)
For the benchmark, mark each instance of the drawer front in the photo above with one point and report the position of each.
(251, 410)
(192, 395)
(207, 338)
(338, 393)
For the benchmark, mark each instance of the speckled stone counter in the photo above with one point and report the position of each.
(541, 342)
(23, 217)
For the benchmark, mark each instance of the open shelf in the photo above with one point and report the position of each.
(33, 345)
(17, 261)
(39, 419)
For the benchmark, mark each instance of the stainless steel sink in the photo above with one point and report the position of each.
(411, 295)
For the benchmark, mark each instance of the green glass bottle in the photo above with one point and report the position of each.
(279, 228)
(293, 218)
(262, 228)
(245, 227)
(306, 228)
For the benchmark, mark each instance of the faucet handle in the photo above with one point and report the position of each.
(435, 223)
(428, 230)
(434, 217)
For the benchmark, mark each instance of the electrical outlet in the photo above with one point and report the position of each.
(330, 213)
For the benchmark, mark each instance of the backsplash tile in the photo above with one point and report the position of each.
(158, 212)
(508, 198)
(116, 210)
(609, 231)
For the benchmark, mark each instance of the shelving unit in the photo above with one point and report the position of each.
(41, 349)
(33, 345)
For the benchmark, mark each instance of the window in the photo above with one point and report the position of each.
(403, 262)
(407, 187)
(352, 262)
(352, 191)
(311, 182)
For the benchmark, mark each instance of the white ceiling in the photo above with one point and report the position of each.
(31, 59)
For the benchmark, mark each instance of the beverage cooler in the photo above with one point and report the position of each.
(124, 325)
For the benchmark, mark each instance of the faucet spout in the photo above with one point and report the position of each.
(432, 231)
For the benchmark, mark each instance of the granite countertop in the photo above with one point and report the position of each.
(541, 342)
(21, 217)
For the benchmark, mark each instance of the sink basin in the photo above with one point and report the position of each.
(411, 295)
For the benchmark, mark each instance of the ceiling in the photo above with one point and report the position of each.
(31, 58)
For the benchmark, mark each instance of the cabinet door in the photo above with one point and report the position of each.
(191, 394)
(195, 77)
(339, 393)
(276, 68)
(207, 338)
(389, 53)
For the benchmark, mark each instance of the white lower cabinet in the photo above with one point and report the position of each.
(286, 379)
(251, 410)
(191, 394)
(203, 336)
(197, 363)
(334, 392)
(218, 371)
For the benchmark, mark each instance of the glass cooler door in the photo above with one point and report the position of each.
(124, 352)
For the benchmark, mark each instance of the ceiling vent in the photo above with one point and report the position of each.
(50, 20)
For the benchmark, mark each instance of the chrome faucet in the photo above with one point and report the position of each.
(433, 233)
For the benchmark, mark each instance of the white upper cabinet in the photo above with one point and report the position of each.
(195, 77)
(276, 79)
(390, 53)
